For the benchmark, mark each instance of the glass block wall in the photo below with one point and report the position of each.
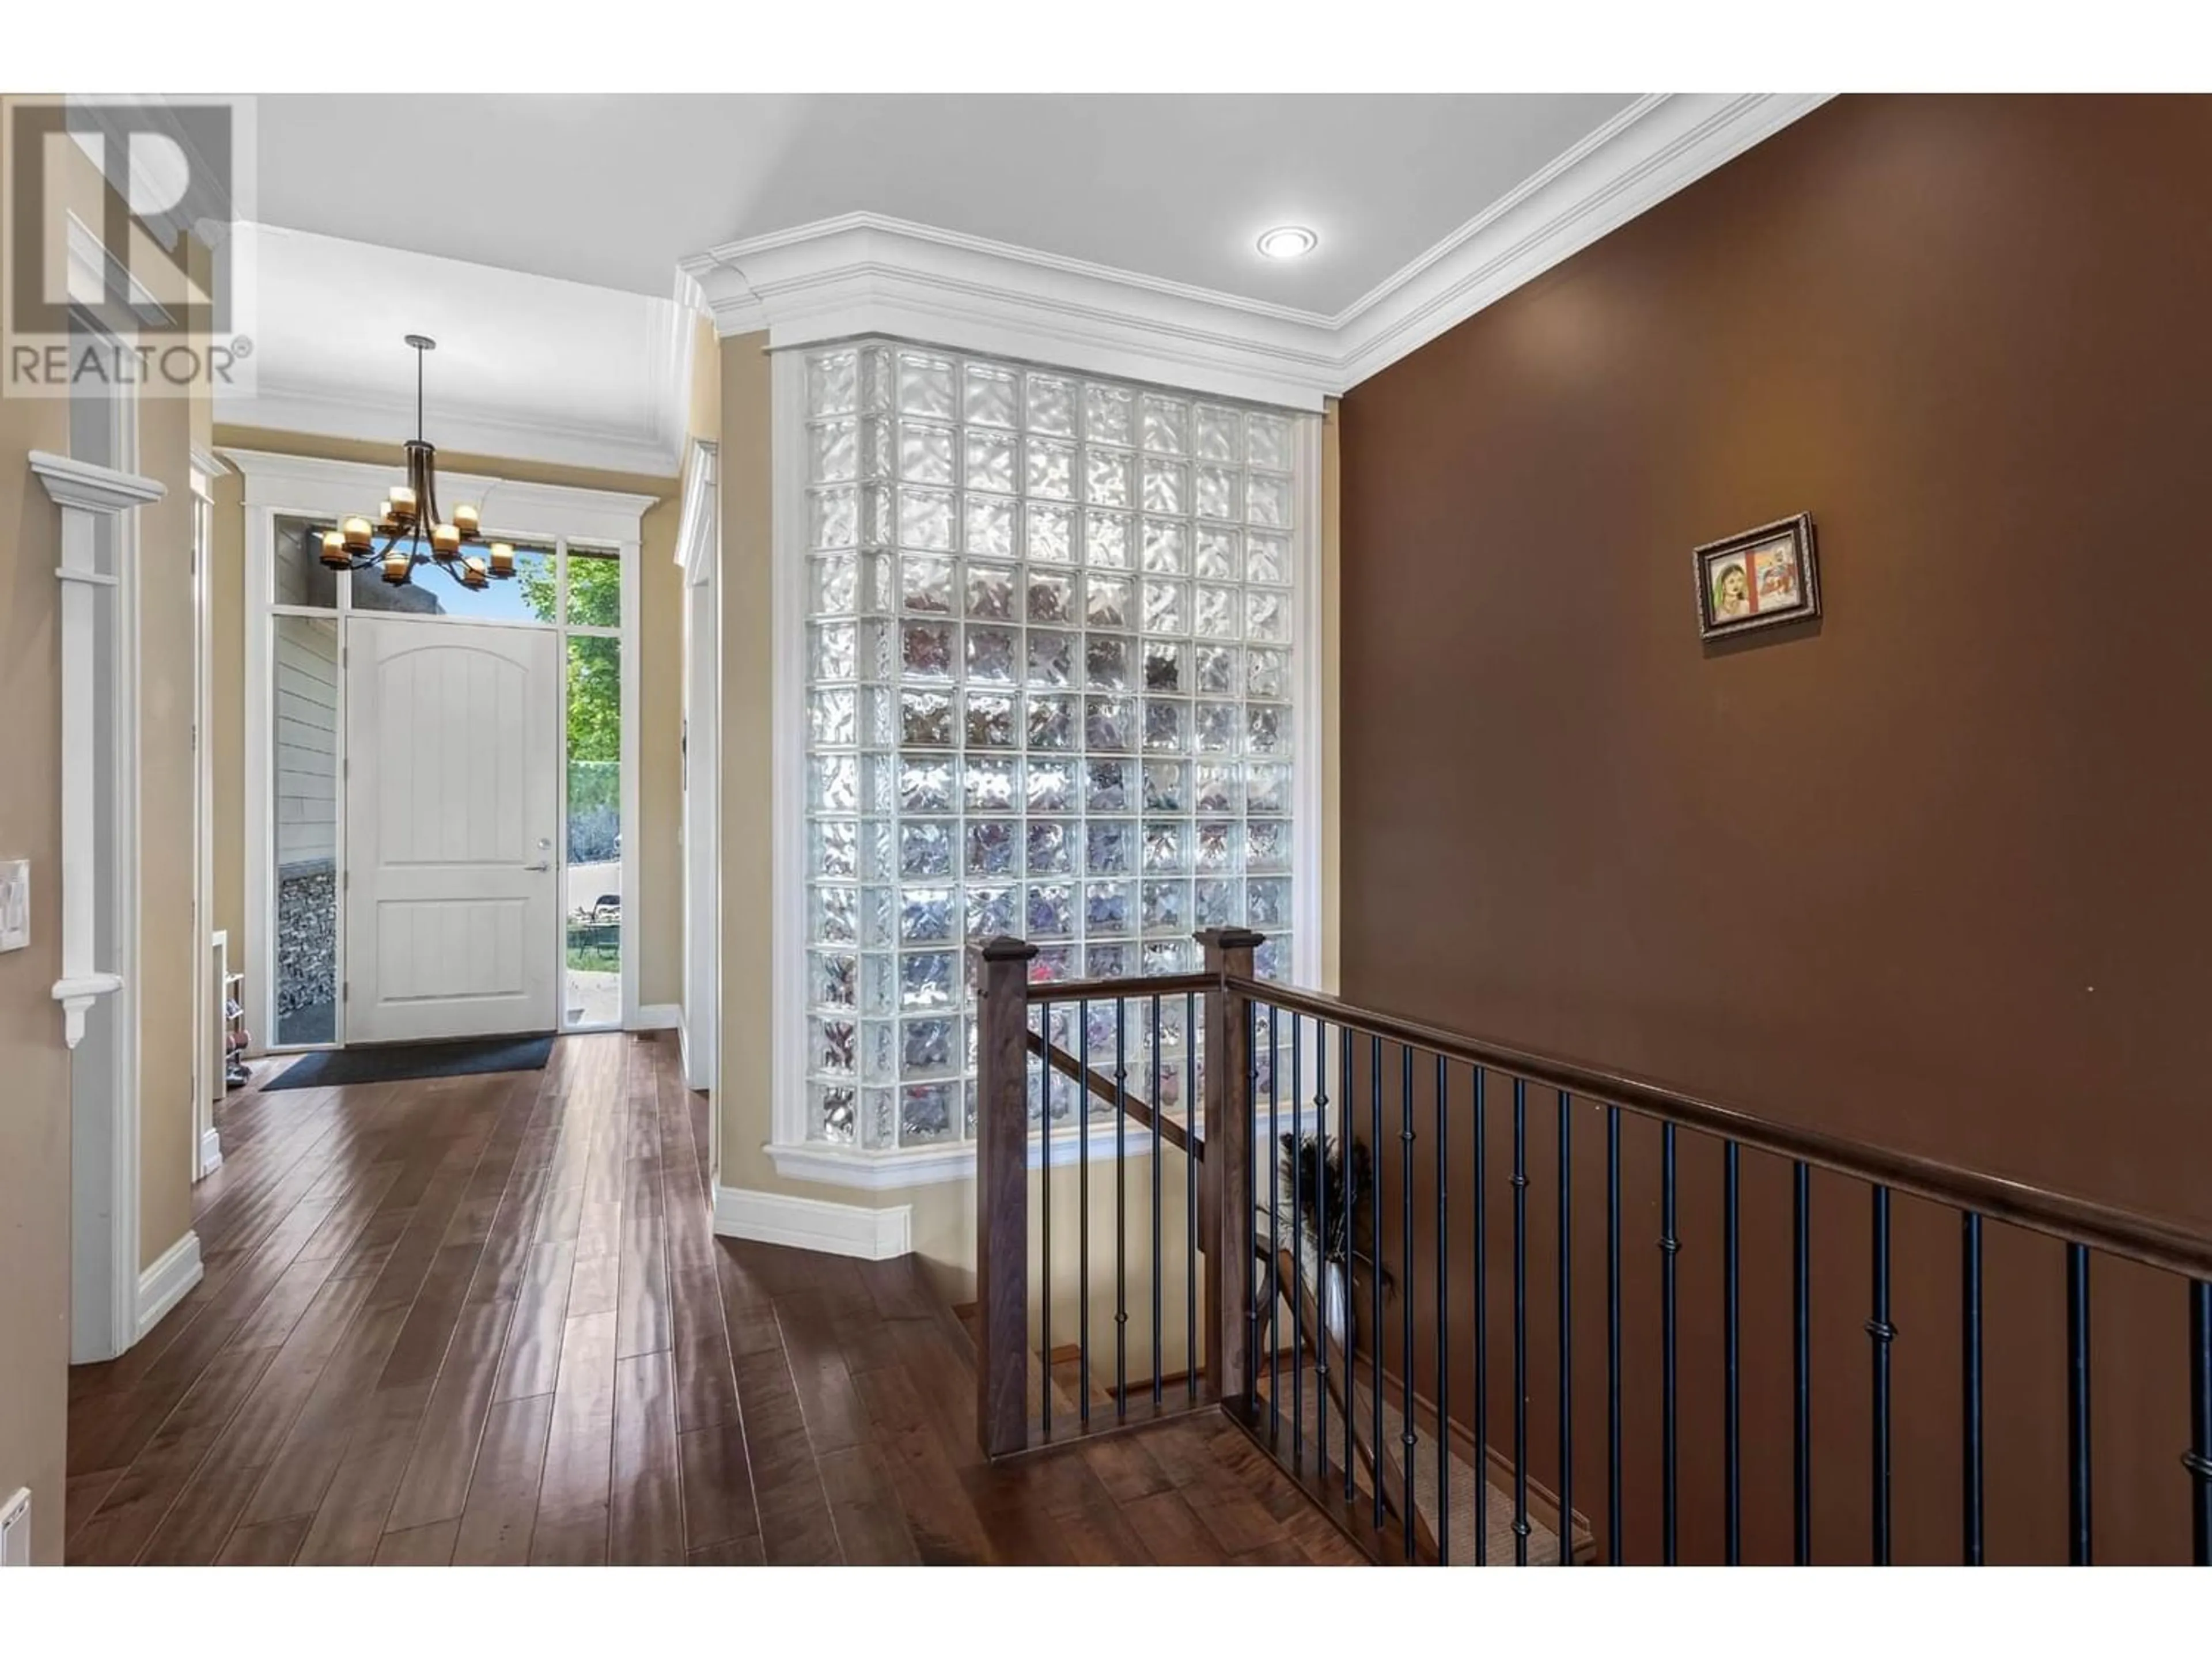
(1049, 693)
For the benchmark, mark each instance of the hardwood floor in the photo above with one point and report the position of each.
(485, 1320)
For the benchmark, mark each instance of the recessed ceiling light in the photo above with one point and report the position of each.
(1288, 242)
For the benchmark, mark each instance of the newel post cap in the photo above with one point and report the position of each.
(1005, 948)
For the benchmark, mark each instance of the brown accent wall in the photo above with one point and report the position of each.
(1929, 872)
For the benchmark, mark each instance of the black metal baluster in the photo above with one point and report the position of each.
(1082, 1214)
(1520, 1322)
(1883, 1334)
(1481, 1332)
(1566, 1334)
(1274, 1232)
(1405, 1434)
(1670, 1247)
(2198, 1460)
(1044, 1208)
(1297, 1241)
(1375, 1210)
(1970, 1382)
(1613, 1504)
(2077, 1404)
(1120, 1209)
(1159, 1108)
(1732, 1349)
(1190, 1155)
(1801, 1315)
(1321, 1250)
(1443, 1162)
(1345, 1101)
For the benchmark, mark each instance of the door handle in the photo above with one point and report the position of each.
(541, 865)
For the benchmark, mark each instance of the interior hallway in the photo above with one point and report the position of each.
(485, 1320)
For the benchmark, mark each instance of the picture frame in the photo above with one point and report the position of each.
(1762, 578)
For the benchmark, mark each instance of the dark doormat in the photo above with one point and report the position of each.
(397, 1062)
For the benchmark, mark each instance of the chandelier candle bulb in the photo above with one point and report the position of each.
(334, 550)
(466, 521)
(396, 567)
(356, 534)
(445, 540)
(472, 572)
(502, 559)
(403, 503)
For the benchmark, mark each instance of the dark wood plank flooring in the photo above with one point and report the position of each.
(486, 1319)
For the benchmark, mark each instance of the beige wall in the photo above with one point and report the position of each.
(657, 907)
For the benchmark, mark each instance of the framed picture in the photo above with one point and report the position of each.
(1759, 579)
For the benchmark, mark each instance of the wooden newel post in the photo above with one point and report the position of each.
(1226, 1186)
(1002, 1198)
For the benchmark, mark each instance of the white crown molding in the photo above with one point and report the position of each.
(809, 1223)
(315, 485)
(93, 488)
(864, 273)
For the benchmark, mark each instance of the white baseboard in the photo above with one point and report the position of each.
(809, 1224)
(162, 1285)
(659, 1016)
(210, 1152)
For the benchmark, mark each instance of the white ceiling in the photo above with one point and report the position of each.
(615, 190)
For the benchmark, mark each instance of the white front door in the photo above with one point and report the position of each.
(453, 801)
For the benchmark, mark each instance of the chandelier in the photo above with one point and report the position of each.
(409, 531)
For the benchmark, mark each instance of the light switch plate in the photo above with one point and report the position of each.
(14, 904)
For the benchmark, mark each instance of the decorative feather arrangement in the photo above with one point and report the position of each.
(1314, 1168)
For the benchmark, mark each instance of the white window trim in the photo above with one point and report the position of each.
(277, 485)
(796, 1156)
(699, 554)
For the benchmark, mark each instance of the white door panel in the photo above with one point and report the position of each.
(453, 803)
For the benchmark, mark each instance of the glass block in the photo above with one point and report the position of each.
(924, 785)
(925, 848)
(990, 785)
(995, 656)
(925, 453)
(834, 915)
(1051, 849)
(1106, 601)
(1106, 540)
(1106, 786)
(1166, 847)
(1219, 788)
(1106, 474)
(1268, 729)
(878, 784)
(1109, 847)
(878, 849)
(1266, 499)
(1267, 789)
(1216, 670)
(1108, 412)
(833, 453)
(1267, 673)
(830, 651)
(879, 579)
(1167, 607)
(1165, 726)
(1106, 662)
(876, 993)
(1166, 486)
(991, 844)
(991, 397)
(879, 380)
(1266, 840)
(1108, 723)
(1052, 722)
(1215, 728)
(993, 912)
(1052, 784)
(1053, 962)
(1166, 666)
(928, 979)
(1164, 906)
(878, 721)
(833, 1046)
(1269, 559)
(834, 783)
(833, 383)
(1268, 442)
(1051, 655)
(1220, 554)
(992, 460)
(1051, 596)
(1166, 547)
(1213, 904)
(1214, 493)
(1051, 533)
(1273, 959)
(1164, 424)
(926, 1113)
(990, 720)
(1215, 434)
(1267, 903)
(924, 518)
(1216, 840)
(1167, 786)
(833, 584)
(1052, 406)
(925, 718)
(835, 1111)
(991, 590)
(928, 915)
(1266, 615)
(833, 846)
(1214, 613)
(1108, 962)
(1051, 469)
(1172, 955)
(878, 1118)
(925, 386)
(1108, 909)
(1051, 909)
(832, 717)
(990, 524)
(832, 979)
(925, 583)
